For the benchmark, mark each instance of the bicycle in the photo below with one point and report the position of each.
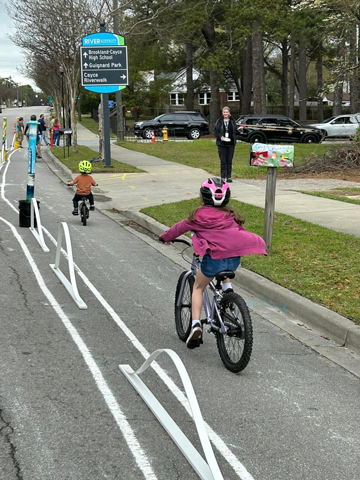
(84, 210)
(227, 316)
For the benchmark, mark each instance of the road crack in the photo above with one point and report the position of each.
(6, 431)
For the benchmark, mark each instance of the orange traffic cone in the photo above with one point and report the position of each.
(153, 136)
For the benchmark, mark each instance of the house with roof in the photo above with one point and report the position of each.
(176, 98)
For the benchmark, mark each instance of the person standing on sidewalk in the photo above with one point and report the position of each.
(225, 134)
(43, 128)
(56, 128)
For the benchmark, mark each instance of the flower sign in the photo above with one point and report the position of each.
(263, 155)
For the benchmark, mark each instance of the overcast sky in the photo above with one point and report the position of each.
(11, 58)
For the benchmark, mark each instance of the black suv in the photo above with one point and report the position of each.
(179, 124)
(278, 128)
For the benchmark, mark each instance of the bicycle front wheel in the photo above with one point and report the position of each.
(183, 310)
(235, 346)
(83, 214)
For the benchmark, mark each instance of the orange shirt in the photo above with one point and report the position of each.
(84, 182)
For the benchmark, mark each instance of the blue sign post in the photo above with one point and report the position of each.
(104, 69)
(33, 128)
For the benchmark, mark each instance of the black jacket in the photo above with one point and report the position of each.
(219, 131)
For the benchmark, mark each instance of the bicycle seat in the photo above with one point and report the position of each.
(224, 274)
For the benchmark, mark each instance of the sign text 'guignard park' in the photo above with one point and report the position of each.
(104, 63)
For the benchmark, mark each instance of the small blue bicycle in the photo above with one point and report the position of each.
(227, 316)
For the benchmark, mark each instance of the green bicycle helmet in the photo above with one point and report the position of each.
(85, 166)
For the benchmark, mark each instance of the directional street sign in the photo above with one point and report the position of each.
(104, 66)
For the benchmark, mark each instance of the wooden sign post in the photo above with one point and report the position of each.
(269, 208)
(272, 157)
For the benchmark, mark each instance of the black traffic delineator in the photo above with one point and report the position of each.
(25, 213)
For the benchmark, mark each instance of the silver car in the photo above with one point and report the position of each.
(340, 126)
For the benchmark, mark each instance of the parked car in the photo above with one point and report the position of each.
(179, 124)
(276, 128)
(340, 126)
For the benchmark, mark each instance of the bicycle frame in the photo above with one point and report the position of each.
(211, 308)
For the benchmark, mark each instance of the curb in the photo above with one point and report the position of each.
(338, 328)
(65, 170)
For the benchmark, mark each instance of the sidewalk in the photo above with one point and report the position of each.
(166, 182)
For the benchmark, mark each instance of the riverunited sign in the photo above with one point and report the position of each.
(104, 66)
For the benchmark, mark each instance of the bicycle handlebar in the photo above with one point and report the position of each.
(178, 240)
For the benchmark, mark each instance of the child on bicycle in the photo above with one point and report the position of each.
(84, 181)
(220, 238)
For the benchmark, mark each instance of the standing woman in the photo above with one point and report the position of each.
(56, 126)
(225, 134)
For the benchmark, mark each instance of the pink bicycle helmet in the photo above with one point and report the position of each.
(215, 192)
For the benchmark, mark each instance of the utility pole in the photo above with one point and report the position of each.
(118, 95)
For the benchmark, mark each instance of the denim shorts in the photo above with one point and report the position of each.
(210, 267)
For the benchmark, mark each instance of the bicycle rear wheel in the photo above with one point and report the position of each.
(183, 310)
(235, 346)
(83, 213)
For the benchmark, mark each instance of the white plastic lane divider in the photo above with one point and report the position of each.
(71, 286)
(38, 234)
(206, 471)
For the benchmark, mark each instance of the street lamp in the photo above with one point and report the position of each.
(61, 70)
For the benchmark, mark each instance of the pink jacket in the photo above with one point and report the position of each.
(218, 235)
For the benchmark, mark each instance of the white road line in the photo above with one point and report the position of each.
(3, 182)
(221, 446)
(132, 442)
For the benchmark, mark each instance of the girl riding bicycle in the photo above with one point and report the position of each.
(83, 183)
(220, 238)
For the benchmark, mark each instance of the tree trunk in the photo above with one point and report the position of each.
(284, 76)
(292, 81)
(302, 79)
(245, 106)
(258, 71)
(189, 77)
(319, 72)
(101, 131)
(338, 92)
(209, 34)
(338, 96)
(72, 94)
(354, 80)
(118, 94)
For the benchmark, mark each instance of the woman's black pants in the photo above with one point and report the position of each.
(226, 156)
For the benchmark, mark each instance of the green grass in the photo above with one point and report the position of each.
(203, 154)
(86, 153)
(90, 124)
(341, 194)
(313, 261)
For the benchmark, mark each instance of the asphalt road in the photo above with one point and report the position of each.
(66, 410)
